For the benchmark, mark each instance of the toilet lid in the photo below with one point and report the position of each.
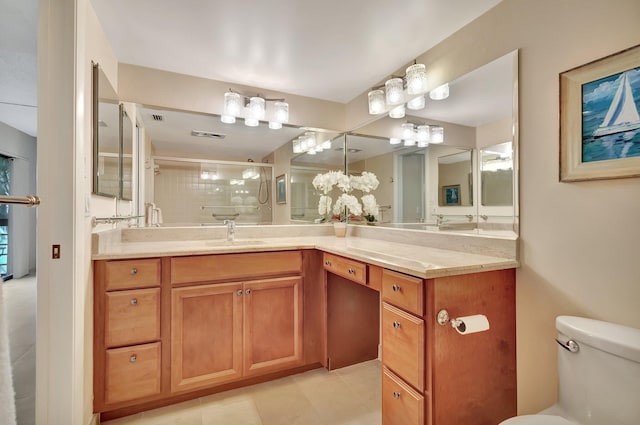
(537, 420)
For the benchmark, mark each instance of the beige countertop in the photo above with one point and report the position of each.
(416, 260)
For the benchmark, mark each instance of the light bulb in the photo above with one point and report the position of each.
(228, 119)
(394, 89)
(416, 79)
(376, 102)
(395, 140)
(407, 130)
(397, 112)
(416, 103)
(440, 93)
(251, 122)
(256, 108)
(437, 135)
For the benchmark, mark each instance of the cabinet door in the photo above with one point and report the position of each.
(272, 325)
(206, 335)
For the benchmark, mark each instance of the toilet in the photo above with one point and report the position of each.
(598, 373)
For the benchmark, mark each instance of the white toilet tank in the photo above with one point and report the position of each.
(599, 383)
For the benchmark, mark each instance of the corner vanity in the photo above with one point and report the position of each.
(179, 319)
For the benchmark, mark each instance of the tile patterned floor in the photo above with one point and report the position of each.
(20, 297)
(347, 396)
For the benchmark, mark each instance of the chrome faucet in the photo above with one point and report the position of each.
(231, 230)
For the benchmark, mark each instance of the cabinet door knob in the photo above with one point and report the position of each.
(396, 395)
(239, 292)
(134, 271)
(248, 291)
(351, 271)
(395, 287)
(396, 325)
(327, 263)
(133, 358)
(134, 301)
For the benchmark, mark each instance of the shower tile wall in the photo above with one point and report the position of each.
(181, 193)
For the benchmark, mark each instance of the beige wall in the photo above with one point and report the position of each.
(578, 240)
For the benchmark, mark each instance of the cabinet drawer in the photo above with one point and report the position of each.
(207, 268)
(132, 317)
(401, 404)
(403, 345)
(350, 269)
(403, 291)
(130, 274)
(132, 372)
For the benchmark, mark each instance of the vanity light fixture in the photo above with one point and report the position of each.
(414, 82)
(440, 92)
(254, 110)
(308, 143)
(422, 134)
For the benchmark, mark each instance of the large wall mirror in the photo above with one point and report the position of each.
(200, 171)
(469, 182)
(106, 136)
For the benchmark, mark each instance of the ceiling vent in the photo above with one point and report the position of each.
(157, 117)
(210, 134)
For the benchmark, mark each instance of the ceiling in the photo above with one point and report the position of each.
(332, 50)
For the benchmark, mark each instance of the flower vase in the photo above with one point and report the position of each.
(340, 229)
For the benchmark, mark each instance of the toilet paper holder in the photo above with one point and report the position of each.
(443, 319)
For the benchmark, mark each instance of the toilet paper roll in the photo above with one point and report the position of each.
(472, 324)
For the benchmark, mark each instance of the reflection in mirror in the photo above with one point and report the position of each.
(106, 136)
(193, 160)
(439, 187)
(208, 192)
(304, 168)
(496, 176)
(455, 179)
(127, 156)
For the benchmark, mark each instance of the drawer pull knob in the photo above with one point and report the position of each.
(351, 271)
(396, 325)
(239, 292)
(248, 291)
(133, 358)
(134, 271)
(327, 263)
(134, 301)
(396, 288)
(396, 395)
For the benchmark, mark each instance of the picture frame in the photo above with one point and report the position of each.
(451, 194)
(281, 189)
(599, 124)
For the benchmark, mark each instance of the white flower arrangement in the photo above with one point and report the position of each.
(366, 182)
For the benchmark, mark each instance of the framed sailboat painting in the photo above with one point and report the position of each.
(599, 118)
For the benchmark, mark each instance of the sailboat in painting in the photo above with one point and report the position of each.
(622, 115)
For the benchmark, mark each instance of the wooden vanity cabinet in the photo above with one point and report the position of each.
(222, 332)
(457, 379)
(173, 328)
(127, 343)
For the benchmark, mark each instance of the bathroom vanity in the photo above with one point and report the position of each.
(179, 320)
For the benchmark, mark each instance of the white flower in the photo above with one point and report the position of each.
(324, 206)
(365, 182)
(325, 182)
(370, 205)
(349, 201)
